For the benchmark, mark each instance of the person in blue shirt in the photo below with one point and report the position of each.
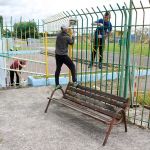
(104, 27)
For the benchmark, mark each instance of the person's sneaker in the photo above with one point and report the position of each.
(58, 87)
(90, 66)
(75, 84)
(18, 86)
(100, 66)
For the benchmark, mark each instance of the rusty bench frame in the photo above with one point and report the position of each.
(112, 111)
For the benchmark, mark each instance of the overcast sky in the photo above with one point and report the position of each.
(43, 8)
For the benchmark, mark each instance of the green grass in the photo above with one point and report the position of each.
(144, 101)
(42, 76)
(135, 48)
(21, 48)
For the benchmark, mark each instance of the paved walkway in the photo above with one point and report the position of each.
(25, 126)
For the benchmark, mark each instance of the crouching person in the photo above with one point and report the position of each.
(16, 66)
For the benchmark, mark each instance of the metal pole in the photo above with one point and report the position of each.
(46, 55)
(70, 47)
(123, 54)
(128, 53)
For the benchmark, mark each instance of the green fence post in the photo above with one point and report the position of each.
(114, 47)
(86, 46)
(97, 59)
(91, 47)
(123, 55)
(81, 41)
(77, 41)
(128, 53)
(120, 49)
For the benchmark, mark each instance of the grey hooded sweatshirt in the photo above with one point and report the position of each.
(62, 42)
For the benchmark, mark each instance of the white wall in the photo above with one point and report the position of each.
(2, 63)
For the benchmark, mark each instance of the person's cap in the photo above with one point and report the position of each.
(64, 27)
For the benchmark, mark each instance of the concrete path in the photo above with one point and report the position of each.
(25, 126)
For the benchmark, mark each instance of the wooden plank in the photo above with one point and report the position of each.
(92, 101)
(117, 98)
(93, 107)
(95, 96)
(83, 110)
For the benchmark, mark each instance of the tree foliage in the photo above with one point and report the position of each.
(25, 30)
(6, 33)
(1, 23)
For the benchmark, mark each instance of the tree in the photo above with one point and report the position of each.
(1, 23)
(26, 30)
(6, 33)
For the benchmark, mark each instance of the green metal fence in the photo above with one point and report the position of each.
(125, 67)
(21, 39)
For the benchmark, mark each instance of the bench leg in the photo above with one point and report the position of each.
(124, 120)
(108, 132)
(48, 105)
(50, 98)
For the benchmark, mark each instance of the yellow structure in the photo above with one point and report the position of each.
(118, 33)
(70, 32)
(46, 55)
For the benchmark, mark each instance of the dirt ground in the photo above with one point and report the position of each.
(25, 126)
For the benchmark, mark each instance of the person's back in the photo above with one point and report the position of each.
(62, 42)
(18, 64)
(15, 65)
